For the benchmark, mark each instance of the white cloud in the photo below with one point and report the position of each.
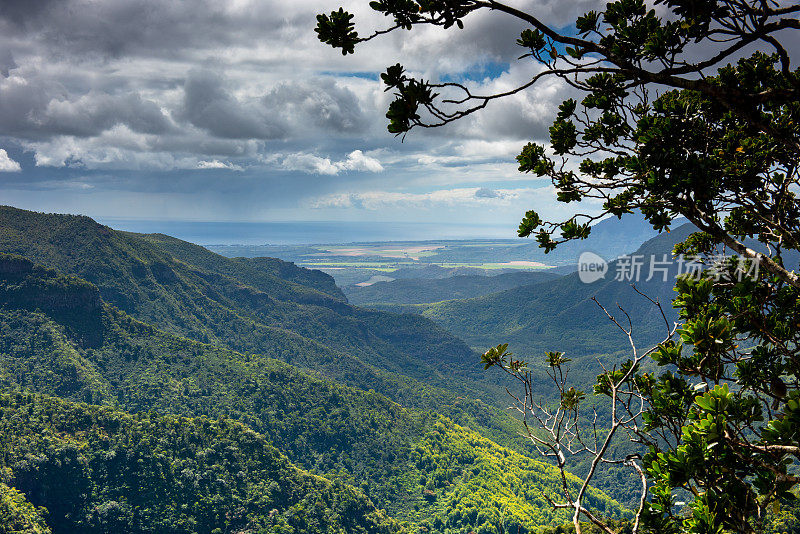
(7, 164)
(462, 196)
(481, 149)
(217, 164)
(311, 164)
(358, 161)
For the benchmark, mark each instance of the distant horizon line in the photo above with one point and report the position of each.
(310, 232)
(289, 221)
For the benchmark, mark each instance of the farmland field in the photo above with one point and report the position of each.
(359, 263)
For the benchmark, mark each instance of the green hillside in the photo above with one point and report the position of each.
(420, 291)
(399, 457)
(559, 315)
(256, 305)
(95, 470)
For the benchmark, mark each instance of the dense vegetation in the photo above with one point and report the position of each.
(682, 109)
(98, 470)
(17, 515)
(257, 305)
(399, 457)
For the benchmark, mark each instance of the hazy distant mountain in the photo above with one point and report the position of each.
(559, 315)
(609, 238)
(432, 271)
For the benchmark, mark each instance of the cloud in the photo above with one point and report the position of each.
(122, 149)
(472, 150)
(375, 200)
(261, 30)
(205, 80)
(526, 115)
(320, 102)
(311, 164)
(37, 106)
(358, 161)
(93, 113)
(7, 164)
(7, 63)
(155, 94)
(209, 104)
(485, 192)
(22, 12)
(217, 164)
(117, 28)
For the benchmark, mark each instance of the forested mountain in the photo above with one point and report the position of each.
(255, 305)
(421, 290)
(559, 315)
(59, 337)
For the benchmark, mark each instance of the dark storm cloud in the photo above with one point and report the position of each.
(6, 62)
(40, 108)
(320, 102)
(289, 109)
(95, 113)
(208, 104)
(123, 27)
(24, 12)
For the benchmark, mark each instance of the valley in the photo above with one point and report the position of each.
(399, 267)
(390, 409)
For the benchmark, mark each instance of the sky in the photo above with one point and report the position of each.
(211, 110)
(234, 111)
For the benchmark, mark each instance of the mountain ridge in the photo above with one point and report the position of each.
(245, 305)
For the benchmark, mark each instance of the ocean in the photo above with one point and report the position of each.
(307, 232)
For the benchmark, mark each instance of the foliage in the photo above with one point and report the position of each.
(17, 515)
(667, 126)
(734, 410)
(623, 526)
(490, 489)
(784, 518)
(100, 470)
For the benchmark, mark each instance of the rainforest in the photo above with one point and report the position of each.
(399, 266)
